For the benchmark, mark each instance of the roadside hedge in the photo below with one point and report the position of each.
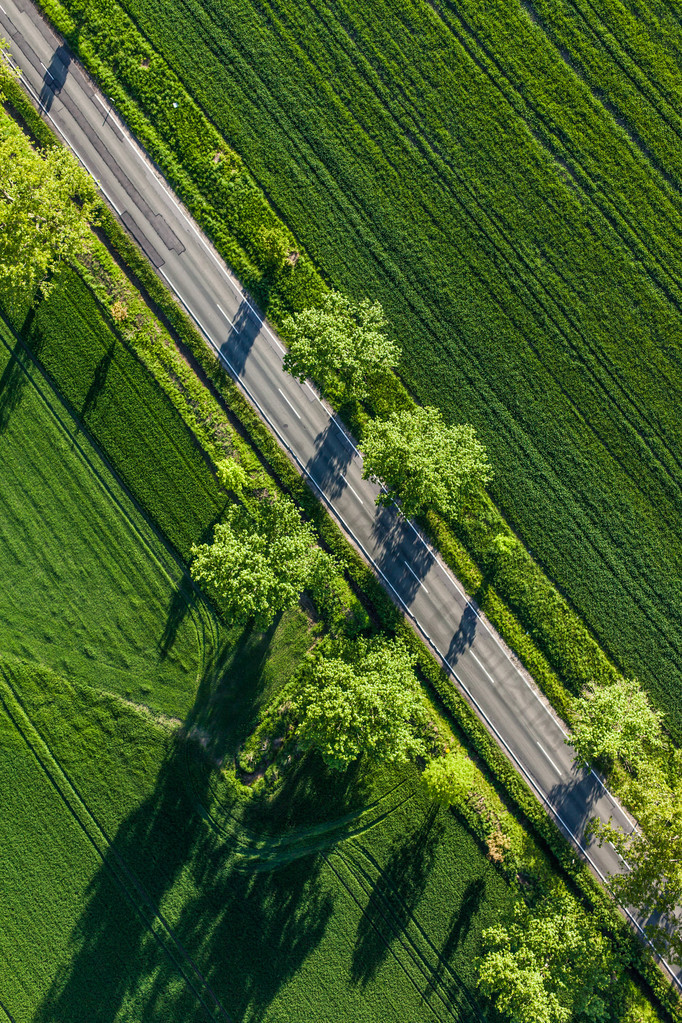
(520, 601)
(525, 576)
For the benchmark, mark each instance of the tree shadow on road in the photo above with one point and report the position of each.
(402, 557)
(333, 455)
(465, 634)
(246, 325)
(575, 799)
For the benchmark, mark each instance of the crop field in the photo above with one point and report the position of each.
(506, 180)
(138, 883)
(90, 590)
(132, 891)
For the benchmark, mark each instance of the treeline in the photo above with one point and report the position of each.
(348, 693)
(553, 345)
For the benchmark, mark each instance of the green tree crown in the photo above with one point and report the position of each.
(47, 204)
(339, 345)
(423, 462)
(258, 563)
(362, 699)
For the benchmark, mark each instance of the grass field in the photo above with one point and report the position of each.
(138, 883)
(134, 892)
(90, 589)
(507, 183)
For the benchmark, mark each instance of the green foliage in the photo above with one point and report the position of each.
(548, 964)
(340, 609)
(449, 779)
(258, 562)
(653, 852)
(233, 477)
(340, 345)
(424, 463)
(508, 273)
(382, 604)
(41, 224)
(360, 699)
(615, 722)
(123, 808)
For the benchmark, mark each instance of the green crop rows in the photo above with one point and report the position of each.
(505, 181)
(88, 586)
(136, 883)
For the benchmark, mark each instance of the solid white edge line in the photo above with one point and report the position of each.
(462, 592)
(547, 756)
(288, 402)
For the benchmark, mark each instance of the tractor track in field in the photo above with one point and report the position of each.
(426, 982)
(133, 889)
(261, 852)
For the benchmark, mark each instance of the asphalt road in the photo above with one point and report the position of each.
(501, 692)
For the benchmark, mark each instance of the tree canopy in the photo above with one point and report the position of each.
(339, 345)
(615, 721)
(653, 853)
(47, 203)
(548, 964)
(450, 778)
(423, 462)
(360, 698)
(259, 561)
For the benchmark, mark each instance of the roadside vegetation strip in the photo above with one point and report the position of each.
(386, 604)
(574, 511)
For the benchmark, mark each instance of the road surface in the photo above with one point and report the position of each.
(479, 663)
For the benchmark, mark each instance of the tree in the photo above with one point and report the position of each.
(233, 476)
(548, 965)
(339, 345)
(652, 882)
(362, 698)
(47, 203)
(450, 778)
(258, 562)
(423, 462)
(615, 721)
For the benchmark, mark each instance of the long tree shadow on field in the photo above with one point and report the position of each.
(396, 890)
(13, 378)
(99, 379)
(460, 924)
(185, 918)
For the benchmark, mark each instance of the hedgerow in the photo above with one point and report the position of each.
(385, 612)
(533, 285)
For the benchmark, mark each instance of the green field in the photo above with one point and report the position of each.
(138, 882)
(506, 181)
